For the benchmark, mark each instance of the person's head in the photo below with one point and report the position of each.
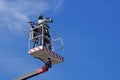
(41, 16)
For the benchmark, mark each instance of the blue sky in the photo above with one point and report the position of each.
(90, 30)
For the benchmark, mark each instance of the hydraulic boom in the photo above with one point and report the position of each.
(36, 72)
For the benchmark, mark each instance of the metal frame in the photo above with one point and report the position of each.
(53, 39)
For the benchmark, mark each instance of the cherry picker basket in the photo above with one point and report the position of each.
(41, 51)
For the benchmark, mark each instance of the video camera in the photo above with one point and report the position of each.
(48, 20)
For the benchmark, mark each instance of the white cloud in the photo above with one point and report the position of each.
(1, 5)
(59, 6)
(15, 13)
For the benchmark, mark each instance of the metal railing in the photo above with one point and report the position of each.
(37, 37)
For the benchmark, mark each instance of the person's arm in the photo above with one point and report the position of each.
(31, 24)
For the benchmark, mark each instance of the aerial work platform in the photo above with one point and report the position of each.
(43, 44)
(43, 54)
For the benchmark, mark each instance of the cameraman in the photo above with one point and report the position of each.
(46, 36)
